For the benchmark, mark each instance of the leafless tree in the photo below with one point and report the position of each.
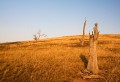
(83, 32)
(92, 63)
(39, 35)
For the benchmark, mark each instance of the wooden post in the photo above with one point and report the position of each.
(92, 62)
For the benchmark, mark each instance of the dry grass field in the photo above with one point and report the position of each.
(58, 59)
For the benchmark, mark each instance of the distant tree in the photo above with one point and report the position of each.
(39, 35)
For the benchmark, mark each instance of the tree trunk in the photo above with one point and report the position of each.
(92, 63)
(83, 33)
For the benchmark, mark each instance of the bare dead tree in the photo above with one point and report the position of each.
(93, 39)
(39, 35)
(83, 32)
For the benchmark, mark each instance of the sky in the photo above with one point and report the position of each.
(21, 19)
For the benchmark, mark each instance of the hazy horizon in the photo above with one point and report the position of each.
(21, 19)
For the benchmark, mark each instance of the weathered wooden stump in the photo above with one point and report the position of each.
(91, 73)
(92, 62)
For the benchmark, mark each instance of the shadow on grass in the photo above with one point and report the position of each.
(84, 59)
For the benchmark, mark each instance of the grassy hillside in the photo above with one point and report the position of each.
(57, 59)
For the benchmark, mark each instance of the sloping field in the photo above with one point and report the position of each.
(58, 59)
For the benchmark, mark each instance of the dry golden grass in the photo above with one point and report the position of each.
(58, 59)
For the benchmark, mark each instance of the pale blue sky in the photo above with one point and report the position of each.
(21, 19)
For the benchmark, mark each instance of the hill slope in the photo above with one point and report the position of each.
(57, 59)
